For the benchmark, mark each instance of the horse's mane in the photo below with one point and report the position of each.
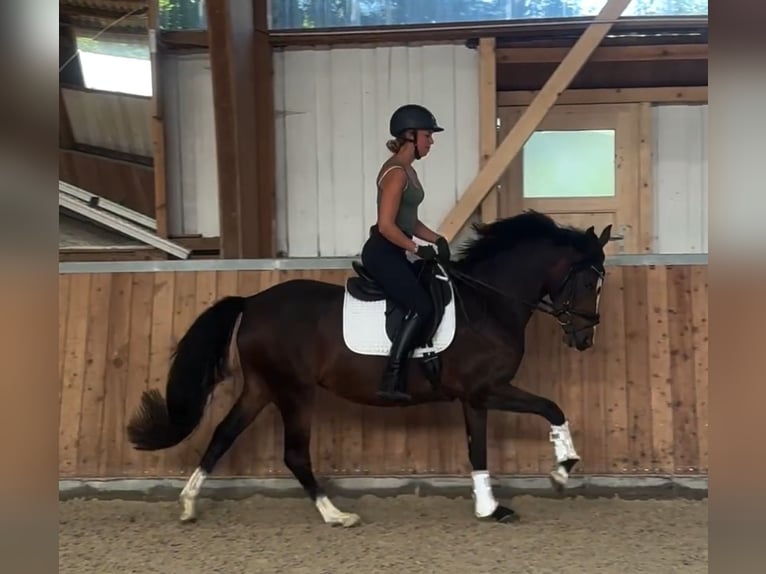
(530, 225)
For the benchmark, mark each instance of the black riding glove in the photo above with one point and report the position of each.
(444, 253)
(426, 252)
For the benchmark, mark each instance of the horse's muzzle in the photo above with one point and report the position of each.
(579, 342)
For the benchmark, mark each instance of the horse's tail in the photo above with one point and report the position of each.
(199, 363)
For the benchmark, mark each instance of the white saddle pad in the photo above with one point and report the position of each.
(364, 327)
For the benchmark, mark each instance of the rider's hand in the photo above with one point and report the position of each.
(426, 252)
(443, 246)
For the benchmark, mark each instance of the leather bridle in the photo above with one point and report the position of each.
(566, 311)
(563, 314)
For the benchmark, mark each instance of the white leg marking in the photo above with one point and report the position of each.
(565, 451)
(190, 493)
(483, 500)
(332, 515)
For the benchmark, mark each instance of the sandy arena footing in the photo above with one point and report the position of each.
(664, 532)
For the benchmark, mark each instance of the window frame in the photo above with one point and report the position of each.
(622, 118)
(634, 170)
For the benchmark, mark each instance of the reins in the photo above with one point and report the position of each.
(539, 305)
(468, 279)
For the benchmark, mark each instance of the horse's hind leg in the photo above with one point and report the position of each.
(510, 398)
(296, 420)
(250, 403)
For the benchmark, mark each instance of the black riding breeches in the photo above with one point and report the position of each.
(389, 266)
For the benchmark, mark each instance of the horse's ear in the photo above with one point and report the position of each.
(605, 234)
(591, 231)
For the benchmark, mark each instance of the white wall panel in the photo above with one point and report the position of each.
(680, 179)
(192, 167)
(333, 108)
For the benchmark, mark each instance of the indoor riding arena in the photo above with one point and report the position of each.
(210, 149)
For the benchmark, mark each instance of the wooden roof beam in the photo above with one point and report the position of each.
(491, 171)
(110, 14)
(651, 53)
(490, 207)
(673, 95)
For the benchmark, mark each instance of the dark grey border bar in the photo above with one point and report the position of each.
(314, 263)
(634, 486)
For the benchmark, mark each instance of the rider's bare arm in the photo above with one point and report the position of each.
(425, 233)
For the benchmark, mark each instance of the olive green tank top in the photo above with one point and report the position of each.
(412, 197)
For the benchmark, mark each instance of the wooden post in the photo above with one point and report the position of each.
(646, 171)
(66, 136)
(157, 125)
(241, 67)
(488, 120)
(531, 118)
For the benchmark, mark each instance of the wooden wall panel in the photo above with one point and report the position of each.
(637, 401)
(128, 184)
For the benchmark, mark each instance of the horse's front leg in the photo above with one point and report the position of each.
(485, 505)
(513, 399)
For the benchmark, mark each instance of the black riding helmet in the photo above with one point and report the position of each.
(412, 117)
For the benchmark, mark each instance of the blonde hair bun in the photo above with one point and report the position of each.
(394, 145)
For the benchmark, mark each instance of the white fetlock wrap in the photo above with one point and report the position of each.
(484, 501)
(331, 515)
(190, 493)
(563, 446)
(194, 485)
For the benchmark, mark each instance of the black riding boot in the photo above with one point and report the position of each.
(394, 382)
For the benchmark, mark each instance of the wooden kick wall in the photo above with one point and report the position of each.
(637, 402)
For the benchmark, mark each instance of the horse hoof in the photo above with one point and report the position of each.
(347, 520)
(569, 464)
(188, 516)
(560, 476)
(189, 513)
(503, 515)
(558, 480)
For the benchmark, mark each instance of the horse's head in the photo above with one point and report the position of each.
(531, 256)
(574, 288)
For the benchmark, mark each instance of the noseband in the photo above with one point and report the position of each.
(565, 313)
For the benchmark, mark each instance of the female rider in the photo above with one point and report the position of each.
(384, 253)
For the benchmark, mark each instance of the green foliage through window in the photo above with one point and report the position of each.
(284, 14)
(184, 14)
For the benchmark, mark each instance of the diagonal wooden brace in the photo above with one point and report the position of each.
(491, 171)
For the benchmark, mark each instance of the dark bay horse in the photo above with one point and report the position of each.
(290, 340)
